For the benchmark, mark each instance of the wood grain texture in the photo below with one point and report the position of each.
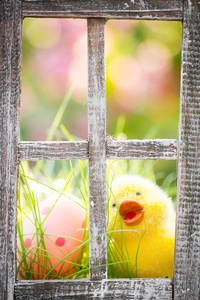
(52, 150)
(187, 254)
(142, 149)
(135, 289)
(145, 9)
(187, 258)
(116, 149)
(97, 148)
(10, 65)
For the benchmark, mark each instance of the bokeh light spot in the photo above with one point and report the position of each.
(43, 33)
(45, 210)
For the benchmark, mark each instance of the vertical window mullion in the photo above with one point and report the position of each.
(10, 67)
(97, 149)
(187, 253)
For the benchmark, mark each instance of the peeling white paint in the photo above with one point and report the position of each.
(189, 7)
(97, 149)
(159, 288)
(142, 3)
(143, 289)
(34, 151)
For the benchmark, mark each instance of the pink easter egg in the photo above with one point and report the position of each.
(51, 241)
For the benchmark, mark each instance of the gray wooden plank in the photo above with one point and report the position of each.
(137, 289)
(97, 148)
(142, 149)
(159, 9)
(115, 149)
(187, 254)
(52, 150)
(10, 65)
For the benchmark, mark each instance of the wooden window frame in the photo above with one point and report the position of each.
(185, 284)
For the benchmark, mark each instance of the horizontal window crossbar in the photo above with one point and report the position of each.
(115, 149)
(155, 288)
(137, 9)
(52, 150)
(142, 149)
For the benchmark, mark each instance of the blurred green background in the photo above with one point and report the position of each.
(142, 69)
(142, 81)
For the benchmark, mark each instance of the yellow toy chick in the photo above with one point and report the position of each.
(146, 215)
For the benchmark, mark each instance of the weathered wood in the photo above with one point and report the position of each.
(130, 149)
(97, 148)
(145, 9)
(137, 289)
(142, 149)
(10, 64)
(187, 254)
(52, 150)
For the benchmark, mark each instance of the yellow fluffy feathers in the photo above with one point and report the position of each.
(146, 213)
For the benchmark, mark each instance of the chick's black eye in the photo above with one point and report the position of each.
(114, 204)
(138, 194)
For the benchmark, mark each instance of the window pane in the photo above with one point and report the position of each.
(54, 79)
(141, 218)
(52, 223)
(143, 74)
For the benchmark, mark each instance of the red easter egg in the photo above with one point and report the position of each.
(50, 239)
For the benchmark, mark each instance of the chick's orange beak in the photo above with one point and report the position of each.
(131, 211)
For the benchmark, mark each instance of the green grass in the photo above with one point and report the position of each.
(28, 257)
(38, 181)
(28, 202)
(76, 182)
